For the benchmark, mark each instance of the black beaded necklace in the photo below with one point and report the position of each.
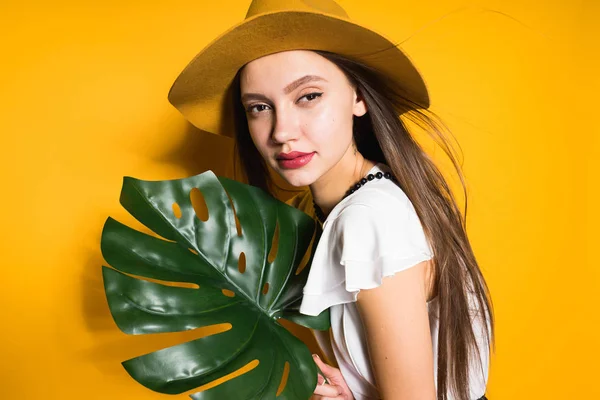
(387, 175)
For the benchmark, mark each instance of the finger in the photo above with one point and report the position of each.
(320, 379)
(332, 391)
(326, 369)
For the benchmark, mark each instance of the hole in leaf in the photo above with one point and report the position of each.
(246, 368)
(265, 288)
(307, 255)
(176, 210)
(284, 378)
(188, 285)
(274, 244)
(242, 262)
(193, 251)
(199, 204)
(238, 226)
(175, 284)
(228, 292)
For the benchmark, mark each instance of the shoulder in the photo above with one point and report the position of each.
(371, 234)
(378, 222)
(384, 203)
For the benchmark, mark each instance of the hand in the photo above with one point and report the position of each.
(335, 389)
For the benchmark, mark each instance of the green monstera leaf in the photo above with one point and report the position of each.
(241, 279)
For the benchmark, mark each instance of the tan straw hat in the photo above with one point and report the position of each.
(202, 92)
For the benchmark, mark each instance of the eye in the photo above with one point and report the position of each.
(252, 107)
(311, 96)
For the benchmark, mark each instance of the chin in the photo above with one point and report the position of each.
(297, 178)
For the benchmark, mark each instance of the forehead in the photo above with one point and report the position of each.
(279, 69)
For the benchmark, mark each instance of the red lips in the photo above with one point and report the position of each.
(299, 159)
(290, 156)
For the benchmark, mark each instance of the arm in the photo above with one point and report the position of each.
(396, 321)
(379, 263)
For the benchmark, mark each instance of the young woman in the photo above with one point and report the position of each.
(321, 101)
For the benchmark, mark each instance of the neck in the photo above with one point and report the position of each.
(332, 186)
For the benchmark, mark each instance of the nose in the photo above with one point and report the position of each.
(285, 126)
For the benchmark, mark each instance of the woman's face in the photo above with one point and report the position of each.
(298, 101)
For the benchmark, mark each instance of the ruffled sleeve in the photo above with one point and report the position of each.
(368, 241)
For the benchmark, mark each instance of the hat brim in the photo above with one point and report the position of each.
(201, 91)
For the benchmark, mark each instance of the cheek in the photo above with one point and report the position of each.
(330, 124)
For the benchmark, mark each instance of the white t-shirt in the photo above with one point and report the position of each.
(372, 233)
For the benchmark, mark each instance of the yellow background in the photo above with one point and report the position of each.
(83, 103)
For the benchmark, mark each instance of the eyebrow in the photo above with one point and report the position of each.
(288, 89)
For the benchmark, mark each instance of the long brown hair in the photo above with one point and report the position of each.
(381, 135)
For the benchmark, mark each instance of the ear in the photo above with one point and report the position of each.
(359, 107)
